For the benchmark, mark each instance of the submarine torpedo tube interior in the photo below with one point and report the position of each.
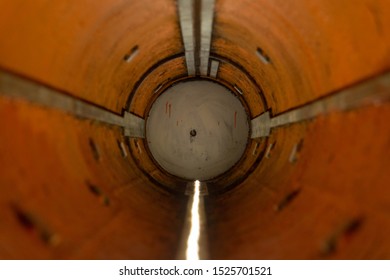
(194, 129)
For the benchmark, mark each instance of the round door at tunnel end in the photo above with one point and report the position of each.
(197, 130)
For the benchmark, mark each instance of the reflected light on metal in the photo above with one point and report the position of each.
(192, 252)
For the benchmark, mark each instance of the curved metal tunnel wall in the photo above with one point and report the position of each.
(75, 187)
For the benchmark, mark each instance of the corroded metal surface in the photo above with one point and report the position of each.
(81, 46)
(305, 209)
(12, 86)
(74, 188)
(68, 191)
(375, 92)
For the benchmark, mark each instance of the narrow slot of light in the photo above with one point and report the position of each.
(158, 88)
(263, 56)
(238, 89)
(129, 57)
(192, 252)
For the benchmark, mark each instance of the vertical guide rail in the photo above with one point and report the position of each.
(373, 91)
(196, 24)
(206, 31)
(186, 17)
(16, 87)
(193, 244)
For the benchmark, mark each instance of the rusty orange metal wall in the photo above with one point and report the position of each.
(315, 48)
(332, 202)
(79, 46)
(68, 192)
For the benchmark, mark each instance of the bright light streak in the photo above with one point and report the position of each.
(192, 252)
